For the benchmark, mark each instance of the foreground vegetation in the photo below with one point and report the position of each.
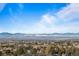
(39, 48)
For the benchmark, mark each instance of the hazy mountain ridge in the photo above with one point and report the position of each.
(51, 36)
(6, 33)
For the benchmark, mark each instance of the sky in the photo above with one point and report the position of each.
(39, 17)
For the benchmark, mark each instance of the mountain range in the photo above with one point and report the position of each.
(6, 33)
(23, 36)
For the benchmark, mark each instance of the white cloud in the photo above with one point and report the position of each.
(69, 13)
(64, 17)
(48, 18)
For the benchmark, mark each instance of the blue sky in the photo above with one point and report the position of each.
(39, 17)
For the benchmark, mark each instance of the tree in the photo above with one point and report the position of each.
(34, 51)
(20, 51)
(1, 53)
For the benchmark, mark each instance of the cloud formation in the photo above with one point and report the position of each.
(69, 13)
(66, 20)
